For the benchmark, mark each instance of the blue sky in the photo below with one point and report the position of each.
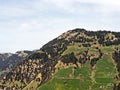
(29, 24)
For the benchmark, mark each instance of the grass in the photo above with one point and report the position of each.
(74, 48)
(61, 84)
(105, 67)
(64, 72)
(62, 80)
(82, 78)
(104, 73)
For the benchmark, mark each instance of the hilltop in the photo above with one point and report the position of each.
(76, 60)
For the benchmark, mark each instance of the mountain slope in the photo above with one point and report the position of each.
(77, 59)
(9, 61)
(94, 74)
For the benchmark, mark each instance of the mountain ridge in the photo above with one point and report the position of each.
(9, 61)
(63, 51)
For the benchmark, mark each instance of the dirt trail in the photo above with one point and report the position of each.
(93, 76)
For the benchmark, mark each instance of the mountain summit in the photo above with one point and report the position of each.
(76, 60)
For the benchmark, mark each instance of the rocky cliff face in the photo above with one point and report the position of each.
(41, 65)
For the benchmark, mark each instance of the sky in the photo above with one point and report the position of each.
(29, 24)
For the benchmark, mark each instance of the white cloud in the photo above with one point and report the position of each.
(31, 24)
(100, 5)
(20, 9)
(105, 2)
(32, 8)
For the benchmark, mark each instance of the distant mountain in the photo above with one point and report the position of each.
(8, 61)
(76, 60)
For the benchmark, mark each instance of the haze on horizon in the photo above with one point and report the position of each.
(29, 24)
